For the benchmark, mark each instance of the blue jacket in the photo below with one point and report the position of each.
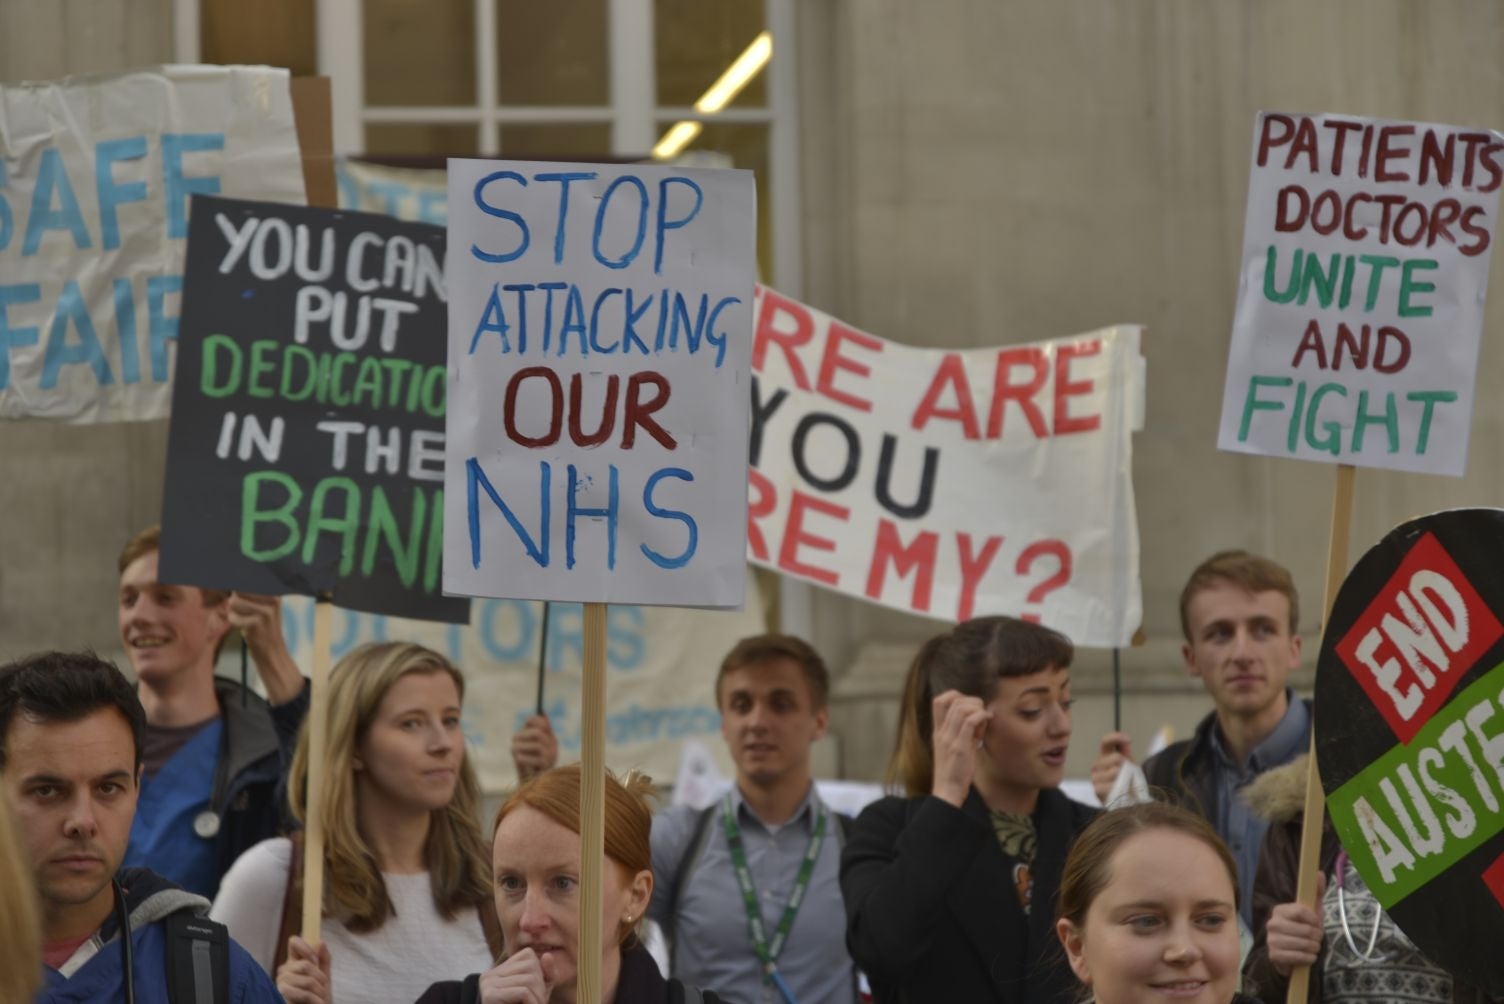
(96, 972)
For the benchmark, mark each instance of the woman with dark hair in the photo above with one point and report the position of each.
(950, 892)
(1149, 909)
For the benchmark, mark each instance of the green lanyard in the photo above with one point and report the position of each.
(766, 952)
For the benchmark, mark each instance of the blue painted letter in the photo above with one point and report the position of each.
(655, 510)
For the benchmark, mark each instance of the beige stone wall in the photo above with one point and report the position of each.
(982, 173)
(975, 172)
(71, 495)
(43, 39)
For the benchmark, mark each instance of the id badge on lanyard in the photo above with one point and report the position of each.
(768, 952)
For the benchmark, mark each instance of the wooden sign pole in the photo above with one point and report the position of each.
(592, 802)
(311, 110)
(318, 740)
(1315, 807)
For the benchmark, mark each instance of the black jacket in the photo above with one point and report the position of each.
(255, 750)
(1188, 769)
(640, 982)
(931, 909)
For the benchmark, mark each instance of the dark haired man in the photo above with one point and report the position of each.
(770, 845)
(1239, 613)
(215, 754)
(71, 731)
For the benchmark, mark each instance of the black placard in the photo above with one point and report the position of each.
(1410, 734)
(306, 453)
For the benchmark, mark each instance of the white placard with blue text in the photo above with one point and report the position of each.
(600, 331)
(96, 174)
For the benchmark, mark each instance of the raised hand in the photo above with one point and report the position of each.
(960, 722)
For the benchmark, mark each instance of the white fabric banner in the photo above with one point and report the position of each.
(95, 178)
(661, 665)
(1360, 300)
(950, 484)
(599, 330)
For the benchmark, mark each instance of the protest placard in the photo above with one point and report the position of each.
(408, 193)
(95, 178)
(1360, 299)
(1410, 733)
(950, 484)
(599, 335)
(306, 452)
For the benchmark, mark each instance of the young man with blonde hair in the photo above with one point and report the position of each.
(1240, 615)
(215, 754)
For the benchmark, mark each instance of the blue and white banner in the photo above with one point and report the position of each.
(95, 178)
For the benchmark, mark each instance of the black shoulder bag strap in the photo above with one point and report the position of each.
(680, 992)
(687, 863)
(198, 960)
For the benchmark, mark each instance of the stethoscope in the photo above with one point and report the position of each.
(123, 917)
(1368, 954)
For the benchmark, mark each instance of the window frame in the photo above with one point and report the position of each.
(632, 112)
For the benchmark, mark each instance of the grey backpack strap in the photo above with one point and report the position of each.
(698, 836)
(198, 960)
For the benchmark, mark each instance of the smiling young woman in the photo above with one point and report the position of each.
(950, 892)
(1149, 909)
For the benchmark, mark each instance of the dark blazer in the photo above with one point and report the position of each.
(931, 909)
(639, 983)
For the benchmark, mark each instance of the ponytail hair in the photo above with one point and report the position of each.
(911, 768)
(970, 658)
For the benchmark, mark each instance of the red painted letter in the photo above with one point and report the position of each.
(950, 374)
(917, 557)
(832, 360)
(1022, 394)
(973, 567)
(773, 307)
(794, 537)
(1064, 388)
(762, 503)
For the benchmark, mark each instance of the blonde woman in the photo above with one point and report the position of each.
(407, 897)
(20, 923)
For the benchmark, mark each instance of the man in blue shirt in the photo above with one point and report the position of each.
(1240, 616)
(215, 755)
(70, 764)
(748, 890)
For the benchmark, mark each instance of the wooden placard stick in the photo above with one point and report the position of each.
(312, 114)
(592, 801)
(311, 111)
(1315, 806)
(318, 740)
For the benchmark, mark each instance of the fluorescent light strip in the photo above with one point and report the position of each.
(720, 94)
(676, 139)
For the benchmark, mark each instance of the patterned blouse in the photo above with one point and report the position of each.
(1396, 971)
(1016, 836)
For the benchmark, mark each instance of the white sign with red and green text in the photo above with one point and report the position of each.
(1360, 300)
